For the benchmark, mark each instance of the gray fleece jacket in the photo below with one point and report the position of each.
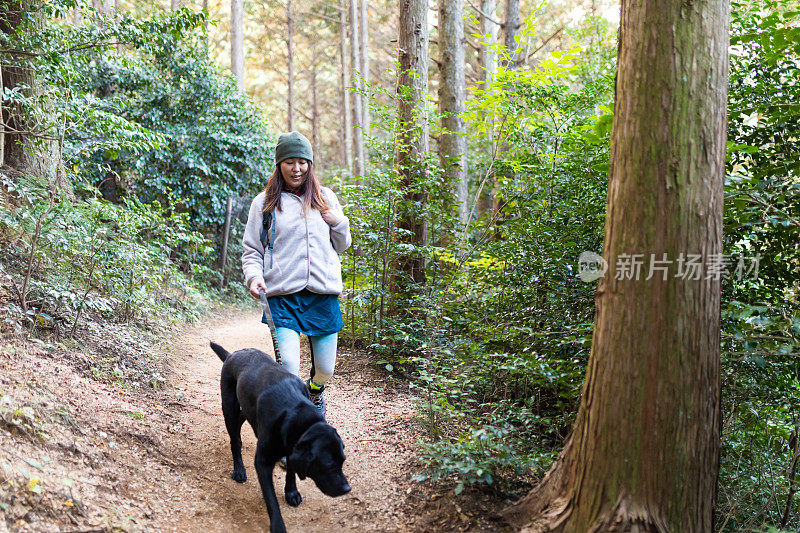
(305, 254)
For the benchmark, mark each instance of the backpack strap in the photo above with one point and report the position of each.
(267, 223)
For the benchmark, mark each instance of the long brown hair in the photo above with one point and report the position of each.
(312, 197)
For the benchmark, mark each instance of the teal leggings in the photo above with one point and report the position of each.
(323, 353)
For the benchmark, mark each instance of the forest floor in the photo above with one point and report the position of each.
(83, 451)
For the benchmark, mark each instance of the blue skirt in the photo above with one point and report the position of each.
(306, 312)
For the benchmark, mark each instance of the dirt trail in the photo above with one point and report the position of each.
(373, 423)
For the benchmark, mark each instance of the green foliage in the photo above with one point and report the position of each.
(497, 341)
(760, 314)
(116, 262)
(138, 109)
(217, 141)
(56, 54)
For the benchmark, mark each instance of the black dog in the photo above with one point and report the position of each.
(286, 424)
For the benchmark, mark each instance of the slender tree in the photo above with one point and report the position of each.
(19, 147)
(14, 74)
(103, 7)
(511, 27)
(355, 56)
(365, 118)
(644, 452)
(315, 118)
(412, 134)
(290, 64)
(344, 95)
(237, 43)
(490, 29)
(453, 143)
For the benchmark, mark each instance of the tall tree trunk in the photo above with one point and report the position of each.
(489, 28)
(355, 56)
(19, 149)
(237, 43)
(365, 118)
(511, 27)
(290, 64)
(344, 99)
(205, 22)
(644, 452)
(453, 144)
(315, 137)
(14, 74)
(412, 135)
(2, 120)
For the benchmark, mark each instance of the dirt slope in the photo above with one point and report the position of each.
(78, 454)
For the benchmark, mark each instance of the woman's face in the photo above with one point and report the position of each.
(294, 172)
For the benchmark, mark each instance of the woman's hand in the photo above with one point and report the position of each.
(256, 286)
(331, 217)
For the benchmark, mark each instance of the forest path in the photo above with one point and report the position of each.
(374, 424)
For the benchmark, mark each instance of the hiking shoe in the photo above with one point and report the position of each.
(315, 392)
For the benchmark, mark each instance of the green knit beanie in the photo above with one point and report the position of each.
(293, 144)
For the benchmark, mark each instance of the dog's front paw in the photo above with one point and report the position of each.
(239, 475)
(293, 498)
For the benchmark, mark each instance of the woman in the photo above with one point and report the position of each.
(295, 261)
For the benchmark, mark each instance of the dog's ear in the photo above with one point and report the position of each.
(300, 458)
(339, 437)
(298, 462)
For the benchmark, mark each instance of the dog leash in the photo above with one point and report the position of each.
(271, 323)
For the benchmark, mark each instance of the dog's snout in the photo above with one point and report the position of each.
(346, 488)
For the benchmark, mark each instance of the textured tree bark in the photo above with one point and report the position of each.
(453, 145)
(355, 60)
(344, 99)
(14, 150)
(412, 131)
(511, 28)
(290, 65)
(237, 43)
(20, 150)
(644, 452)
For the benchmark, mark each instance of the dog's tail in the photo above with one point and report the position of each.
(220, 351)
